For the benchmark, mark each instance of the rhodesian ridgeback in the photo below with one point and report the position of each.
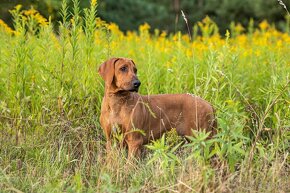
(125, 109)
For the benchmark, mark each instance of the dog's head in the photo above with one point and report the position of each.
(120, 74)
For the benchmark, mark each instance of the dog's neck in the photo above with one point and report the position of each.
(116, 99)
(117, 94)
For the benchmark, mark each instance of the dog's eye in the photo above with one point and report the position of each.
(123, 69)
(135, 70)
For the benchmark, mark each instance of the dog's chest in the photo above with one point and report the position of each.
(119, 116)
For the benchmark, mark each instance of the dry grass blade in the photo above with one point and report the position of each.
(188, 29)
(283, 5)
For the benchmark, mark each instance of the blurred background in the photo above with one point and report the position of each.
(165, 14)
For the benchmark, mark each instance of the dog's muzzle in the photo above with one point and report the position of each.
(136, 85)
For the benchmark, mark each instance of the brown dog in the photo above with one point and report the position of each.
(124, 108)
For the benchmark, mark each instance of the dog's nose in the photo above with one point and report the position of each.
(136, 83)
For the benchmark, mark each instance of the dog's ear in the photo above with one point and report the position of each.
(133, 62)
(107, 70)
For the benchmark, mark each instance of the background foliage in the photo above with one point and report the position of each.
(164, 14)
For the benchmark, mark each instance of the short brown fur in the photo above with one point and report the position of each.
(123, 108)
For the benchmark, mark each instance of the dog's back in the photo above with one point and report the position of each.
(157, 114)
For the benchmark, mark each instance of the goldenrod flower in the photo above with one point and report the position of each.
(101, 23)
(6, 28)
(93, 3)
(31, 12)
(40, 19)
(144, 28)
(264, 25)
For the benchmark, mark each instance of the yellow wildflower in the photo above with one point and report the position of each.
(264, 25)
(31, 11)
(93, 3)
(6, 28)
(185, 38)
(176, 37)
(40, 19)
(101, 23)
(163, 34)
(145, 27)
(114, 28)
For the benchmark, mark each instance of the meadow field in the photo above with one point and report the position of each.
(50, 96)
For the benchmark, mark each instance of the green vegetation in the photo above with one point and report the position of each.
(50, 96)
(164, 14)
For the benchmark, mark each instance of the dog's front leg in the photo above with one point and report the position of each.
(107, 130)
(134, 141)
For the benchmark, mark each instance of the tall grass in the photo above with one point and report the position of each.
(50, 96)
